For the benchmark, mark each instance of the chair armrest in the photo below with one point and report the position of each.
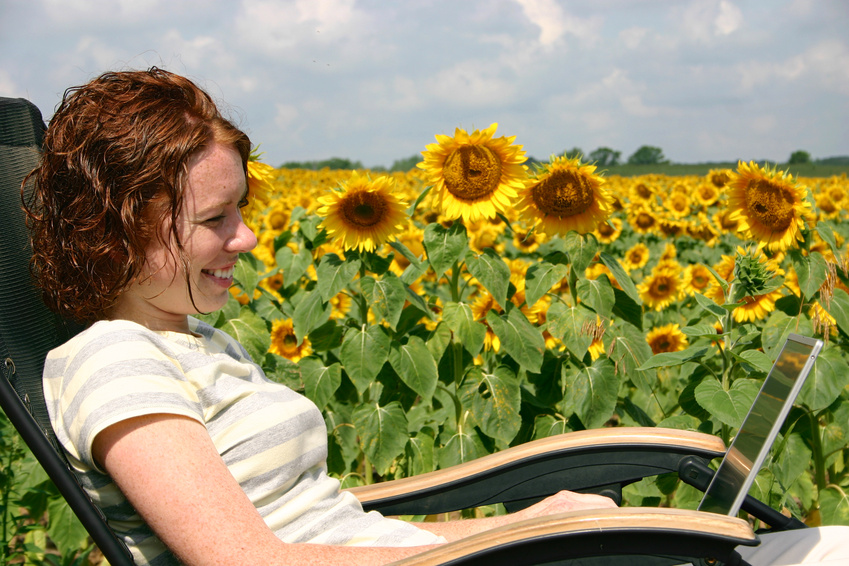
(578, 461)
(671, 533)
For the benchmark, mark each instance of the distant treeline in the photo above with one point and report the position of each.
(645, 158)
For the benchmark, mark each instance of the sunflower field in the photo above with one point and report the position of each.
(473, 304)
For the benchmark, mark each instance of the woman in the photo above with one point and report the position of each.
(193, 455)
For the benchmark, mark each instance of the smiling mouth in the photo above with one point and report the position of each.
(221, 273)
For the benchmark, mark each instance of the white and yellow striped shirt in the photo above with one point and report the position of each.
(273, 440)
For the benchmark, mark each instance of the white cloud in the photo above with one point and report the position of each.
(824, 65)
(276, 27)
(729, 19)
(705, 20)
(106, 12)
(554, 23)
(469, 83)
(8, 86)
(632, 37)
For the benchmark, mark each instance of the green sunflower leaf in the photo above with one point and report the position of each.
(519, 338)
(597, 294)
(582, 249)
(251, 331)
(621, 277)
(811, 270)
(461, 321)
(415, 366)
(567, 323)
(310, 313)
(826, 381)
(320, 381)
(363, 353)
(667, 359)
(444, 246)
(385, 296)
(491, 271)
(628, 351)
(382, 433)
(594, 391)
(731, 406)
(334, 274)
(540, 278)
(293, 265)
(496, 403)
(840, 309)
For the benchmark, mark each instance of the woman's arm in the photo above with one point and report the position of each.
(561, 502)
(169, 470)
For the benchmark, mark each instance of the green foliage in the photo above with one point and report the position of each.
(36, 524)
(647, 155)
(799, 156)
(333, 163)
(605, 157)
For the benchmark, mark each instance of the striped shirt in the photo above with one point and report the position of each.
(273, 440)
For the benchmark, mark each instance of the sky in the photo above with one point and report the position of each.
(374, 81)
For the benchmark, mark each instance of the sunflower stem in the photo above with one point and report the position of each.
(819, 457)
(726, 362)
(455, 282)
(362, 299)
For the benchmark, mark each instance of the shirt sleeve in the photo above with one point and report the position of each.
(115, 376)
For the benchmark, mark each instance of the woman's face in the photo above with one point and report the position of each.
(213, 235)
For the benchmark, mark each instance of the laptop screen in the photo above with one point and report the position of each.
(749, 448)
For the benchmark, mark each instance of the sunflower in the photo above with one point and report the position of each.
(364, 214)
(527, 241)
(641, 192)
(667, 338)
(770, 206)
(474, 176)
(671, 228)
(285, 343)
(756, 307)
(661, 288)
(277, 218)
(565, 195)
(485, 235)
(609, 231)
(707, 194)
(719, 177)
(678, 204)
(697, 279)
(642, 219)
(636, 257)
(725, 223)
(822, 320)
(669, 252)
(261, 177)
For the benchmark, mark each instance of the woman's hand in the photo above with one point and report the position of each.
(563, 502)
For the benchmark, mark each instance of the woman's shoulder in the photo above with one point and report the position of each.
(111, 335)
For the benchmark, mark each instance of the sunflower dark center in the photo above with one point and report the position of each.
(645, 220)
(290, 341)
(563, 193)
(770, 204)
(363, 209)
(472, 172)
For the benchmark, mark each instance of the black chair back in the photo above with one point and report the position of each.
(28, 330)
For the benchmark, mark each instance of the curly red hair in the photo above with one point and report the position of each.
(112, 171)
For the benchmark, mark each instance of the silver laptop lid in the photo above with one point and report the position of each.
(753, 441)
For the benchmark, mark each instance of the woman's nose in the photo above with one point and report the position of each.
(244, 240)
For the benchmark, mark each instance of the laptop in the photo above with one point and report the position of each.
(747, 452)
